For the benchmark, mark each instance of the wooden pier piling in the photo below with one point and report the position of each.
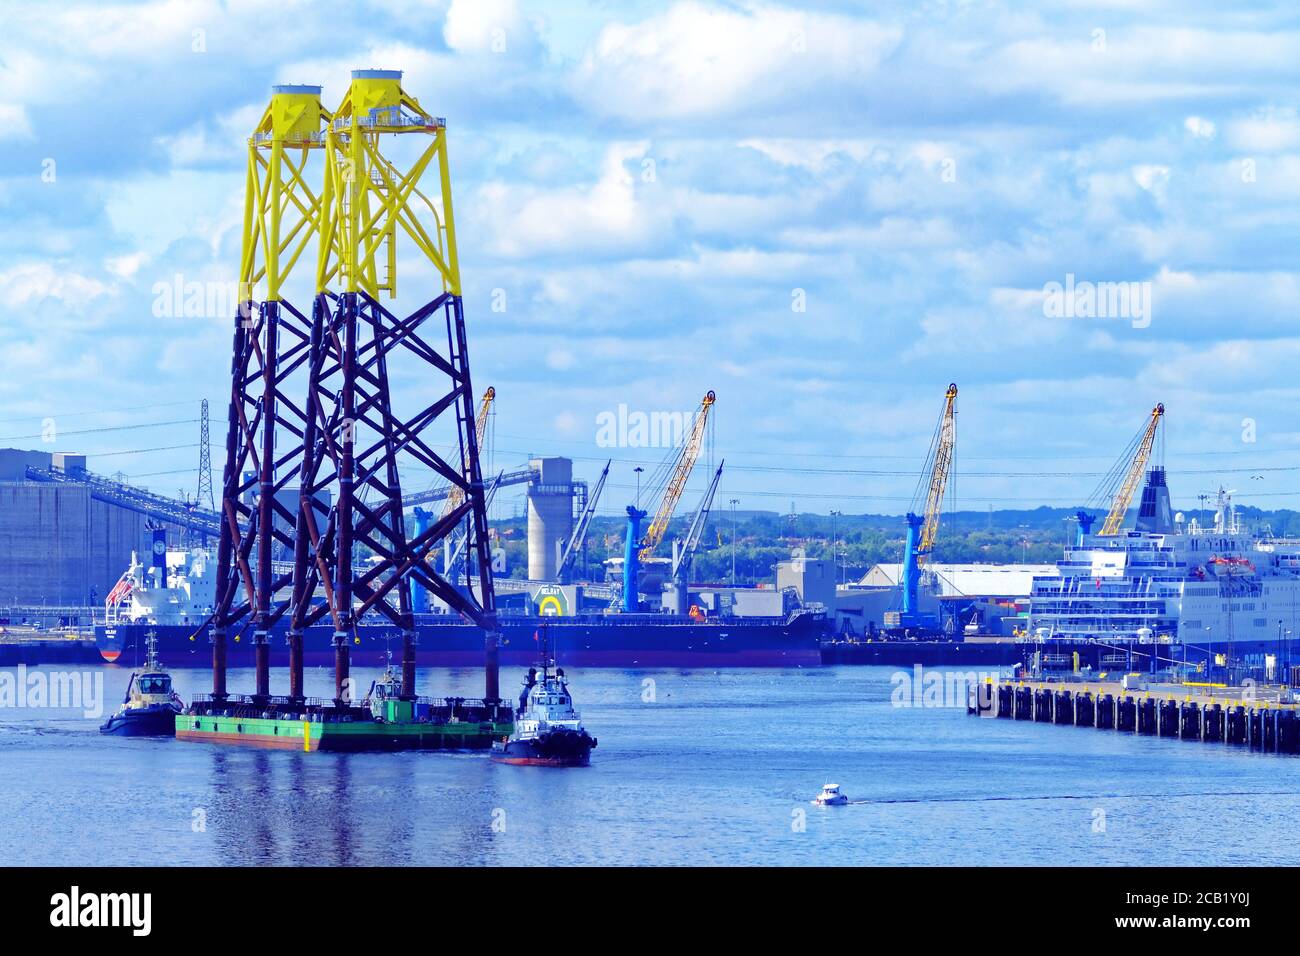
(1260, 719)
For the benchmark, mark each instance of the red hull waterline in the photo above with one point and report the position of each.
(542, 761)
(574, 658)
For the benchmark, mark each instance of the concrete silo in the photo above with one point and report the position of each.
(550, 516)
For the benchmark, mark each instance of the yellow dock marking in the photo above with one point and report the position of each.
(306, 736)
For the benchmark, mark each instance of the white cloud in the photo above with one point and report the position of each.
(1139, 64)
(488, 26)
(1200, 127)
(202, 205)
(1153, 178)
(604, 216)
(35, 282)
(14, 123)
(124, 267)
(810, 154)
(1266, 131)
(224, 139)
(697, 60)
(792, 149)
(566, 423)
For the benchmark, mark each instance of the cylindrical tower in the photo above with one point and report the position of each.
(550, 516)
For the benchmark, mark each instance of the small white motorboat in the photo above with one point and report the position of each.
(830, 796)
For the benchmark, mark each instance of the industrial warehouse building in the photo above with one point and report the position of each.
(59, 546)
(1000, 593)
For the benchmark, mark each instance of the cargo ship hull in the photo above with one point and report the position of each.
(736, 642)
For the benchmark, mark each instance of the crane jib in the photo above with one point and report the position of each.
(939, 468)
(677, 483)
(1137, 466)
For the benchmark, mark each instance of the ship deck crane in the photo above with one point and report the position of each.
(574, 545)
(689, 545)
(1121, 482)
(454, 552)
(456, 494)
(923, 529)
(637, 548)
(452, 496)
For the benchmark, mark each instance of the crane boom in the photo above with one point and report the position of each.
(923, 529)
(677, 483)
(454, 554)
(456, 494)
(1119, 504)
(691, 543)
(584, 521)
(946, 436)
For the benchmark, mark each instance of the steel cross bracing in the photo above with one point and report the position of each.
(323, 453)
(271, 344)
(256, 522)
(368, 202)
(350, 385)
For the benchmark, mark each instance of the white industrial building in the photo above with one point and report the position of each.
(964, 580)
(1000, 593)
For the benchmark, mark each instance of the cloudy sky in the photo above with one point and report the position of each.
(823, 214)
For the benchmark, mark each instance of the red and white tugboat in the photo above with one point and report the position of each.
(548, 731)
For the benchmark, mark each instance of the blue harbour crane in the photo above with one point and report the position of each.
(923, 528)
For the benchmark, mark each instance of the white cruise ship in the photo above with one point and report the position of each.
(1217, 590)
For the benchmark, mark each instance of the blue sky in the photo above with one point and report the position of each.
(921, 173)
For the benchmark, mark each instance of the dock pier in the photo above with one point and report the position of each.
(1259, 718)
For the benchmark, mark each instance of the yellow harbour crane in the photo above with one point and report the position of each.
(456, 494)
(1131, 465)
(682, 468)
(637, 548)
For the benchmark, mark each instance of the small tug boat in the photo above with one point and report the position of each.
(548, 731)
(387, 688)
(830, 796)
(150, 706)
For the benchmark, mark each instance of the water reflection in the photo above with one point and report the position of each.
(706, 773)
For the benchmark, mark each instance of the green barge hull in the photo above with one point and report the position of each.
(348, 729)
(312, 735)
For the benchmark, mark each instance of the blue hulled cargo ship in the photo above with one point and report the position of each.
(176, 610)
(589, 640)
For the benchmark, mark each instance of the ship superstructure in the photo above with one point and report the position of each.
(177, 588)
(1219, 588)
